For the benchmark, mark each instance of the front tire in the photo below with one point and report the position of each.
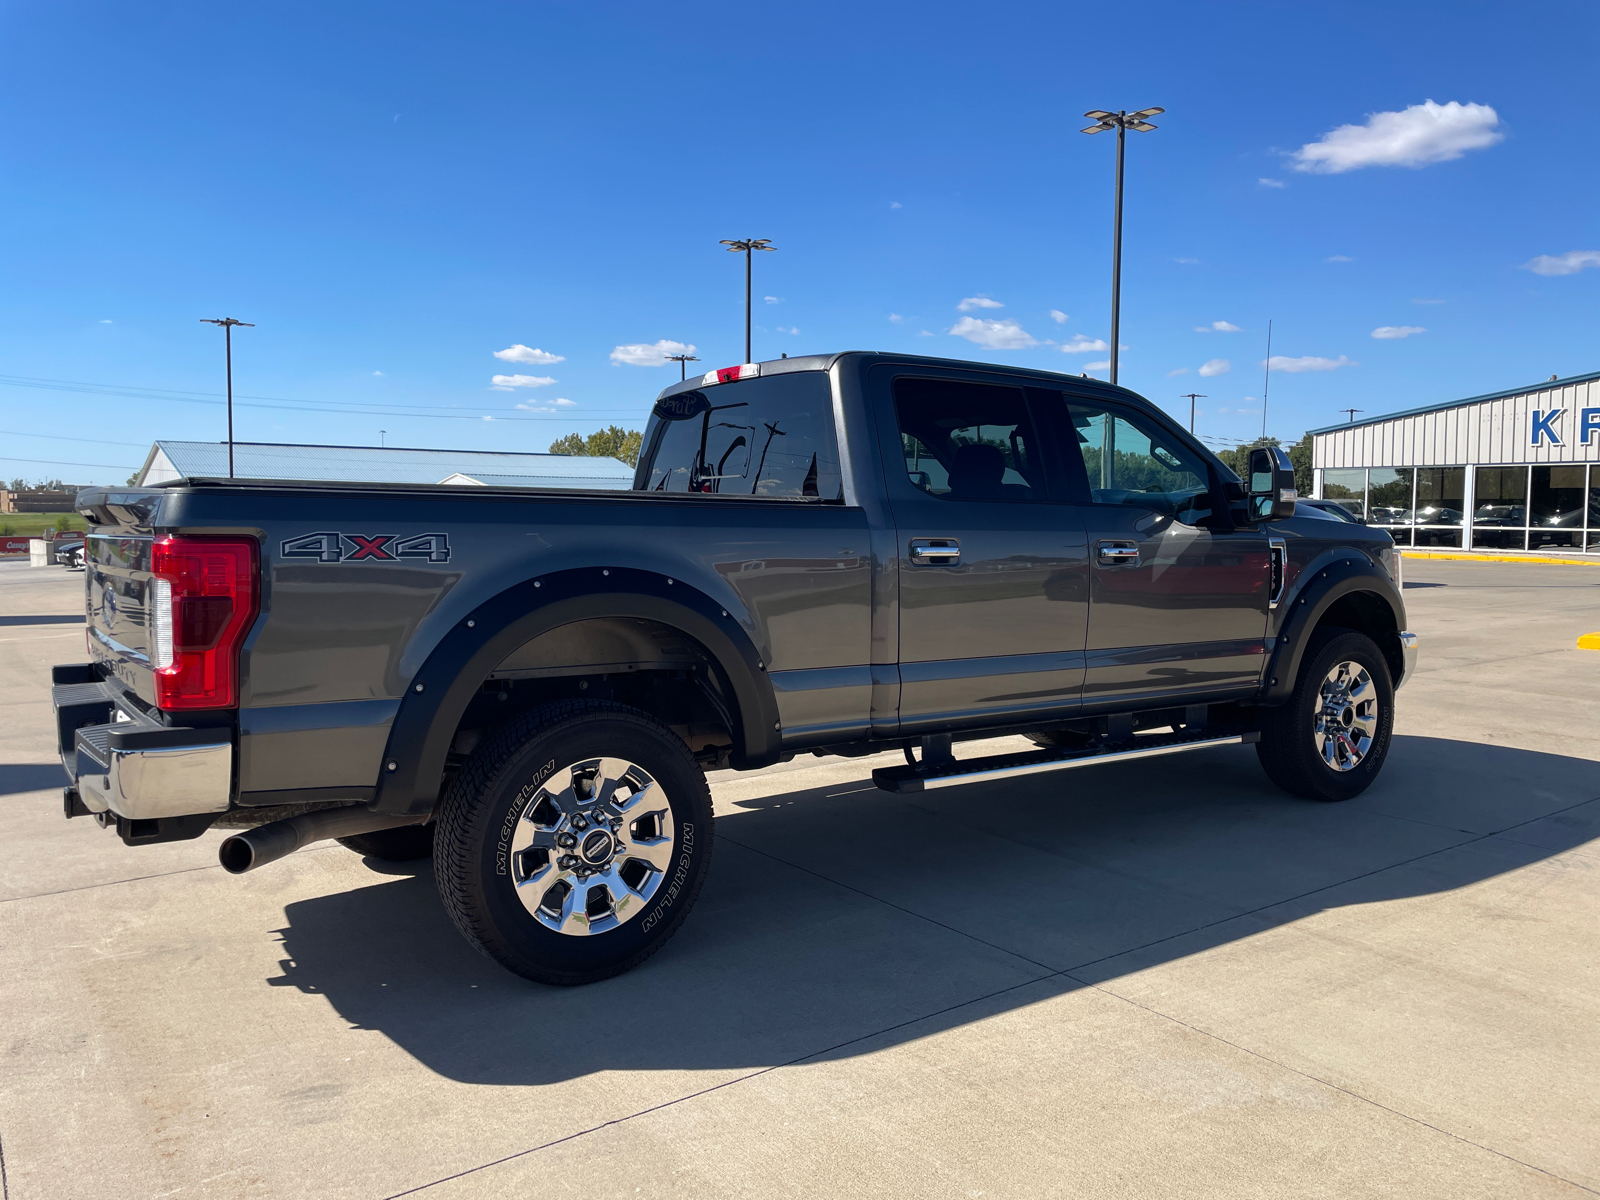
(1330, 740)
(574, 841)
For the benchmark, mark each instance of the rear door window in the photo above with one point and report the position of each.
(770, 437)
(968, 441)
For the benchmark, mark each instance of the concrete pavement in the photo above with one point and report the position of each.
(1159, 979)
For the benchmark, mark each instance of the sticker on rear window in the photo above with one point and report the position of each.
(366, 547)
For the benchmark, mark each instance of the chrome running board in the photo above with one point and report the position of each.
(1036, 762)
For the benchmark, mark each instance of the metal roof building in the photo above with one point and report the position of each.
(169, 461)
(1524, 463)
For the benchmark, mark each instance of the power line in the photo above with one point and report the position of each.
(52, 462)
(56, 437)
(356, 408)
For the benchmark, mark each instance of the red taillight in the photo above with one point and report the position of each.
(203, 599)
(731, 374)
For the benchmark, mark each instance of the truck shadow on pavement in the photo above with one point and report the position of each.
(840, 919)
(30, 777)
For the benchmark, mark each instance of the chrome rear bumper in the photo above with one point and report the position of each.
(123, 762)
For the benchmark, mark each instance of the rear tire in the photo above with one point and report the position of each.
(574, 841)
(405, 844)
(1330, 740)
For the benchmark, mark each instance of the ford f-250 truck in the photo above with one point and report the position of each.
(839, 554)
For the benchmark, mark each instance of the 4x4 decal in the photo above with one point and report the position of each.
(366, 547)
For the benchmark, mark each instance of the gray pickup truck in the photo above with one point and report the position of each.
(841, 554)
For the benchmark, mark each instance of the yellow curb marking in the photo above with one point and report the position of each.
(1589, 641)
(1507, 558)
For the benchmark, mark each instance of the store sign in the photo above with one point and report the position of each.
(1542, 426)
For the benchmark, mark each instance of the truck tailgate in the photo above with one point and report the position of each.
(117, 587)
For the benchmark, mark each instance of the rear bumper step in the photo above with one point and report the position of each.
(1009, 766)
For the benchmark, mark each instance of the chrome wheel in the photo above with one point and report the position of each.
(1347, 719)
(592, 844)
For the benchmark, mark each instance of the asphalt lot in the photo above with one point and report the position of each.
(1159, 979)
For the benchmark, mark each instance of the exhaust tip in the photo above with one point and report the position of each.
(236, 854)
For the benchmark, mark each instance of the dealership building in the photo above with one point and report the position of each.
(1513, 470)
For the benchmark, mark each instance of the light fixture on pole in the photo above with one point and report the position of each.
(745, 246)
(1191, 398)
(1121, 121)
(683, 360)
(227, 324)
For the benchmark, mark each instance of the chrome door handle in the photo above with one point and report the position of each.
(1119, 554)
(935, 552)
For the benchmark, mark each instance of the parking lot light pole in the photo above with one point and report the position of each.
(683, 360)
(1121, 121)
(745, 246)
(227, 324)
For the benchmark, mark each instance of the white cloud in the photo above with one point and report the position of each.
(791, 329)
(894, 204)
(107, 321)
(1099, 366)
(1082, 345)
(1569, 263)
(1309, 363)
(1189, 261)
(972, 302)
(1414, 137)
(1217, 327)
(1179, 371)
(1271, 183)
(925, 333)
(896, 318)
(552, 406)
(1425, 300)
(1216, 366)
(1059, 317)
(516, 381)
(649, 354)
(377, 372)
(528, 355)
(996, 335)
(773, 299)
(1386, 332)
(1338, 258)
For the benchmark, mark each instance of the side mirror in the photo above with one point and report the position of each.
(1271, 485)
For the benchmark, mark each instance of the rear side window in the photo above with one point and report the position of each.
(757, 437)
(968, 441)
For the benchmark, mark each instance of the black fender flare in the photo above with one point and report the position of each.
(438, 694)
(1315, 590)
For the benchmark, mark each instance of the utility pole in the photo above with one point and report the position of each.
(227, 324)
(1352, 413)
(1266, 381)
(1191, 398)
(682, 360)
(1121, 121)
(745, 246)
(382, 433)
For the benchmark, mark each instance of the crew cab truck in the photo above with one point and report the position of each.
(839, 554)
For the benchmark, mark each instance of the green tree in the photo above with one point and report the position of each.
(611, 442)
(1238, 460)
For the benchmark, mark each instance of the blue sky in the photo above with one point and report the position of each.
(393, 193)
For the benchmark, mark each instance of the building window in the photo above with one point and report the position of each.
(1594, 508)
(1555, 508)
(1441, 503)
(1348, 489)
(1389, 501)
(1500, 513)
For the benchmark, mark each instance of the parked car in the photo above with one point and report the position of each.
(834, 555)
(63, 553)
(1330, 508)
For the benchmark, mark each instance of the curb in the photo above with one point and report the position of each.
(1506, 558)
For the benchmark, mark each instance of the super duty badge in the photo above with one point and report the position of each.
(366, 547)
